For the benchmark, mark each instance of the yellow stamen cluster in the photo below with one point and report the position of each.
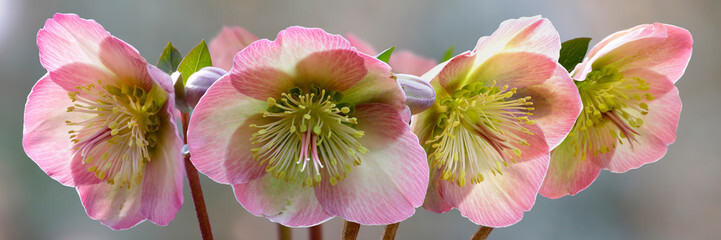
(308, 127)
(117, 138)
(479, 128)
(613, 108)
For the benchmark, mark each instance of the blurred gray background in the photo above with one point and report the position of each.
(678, 197)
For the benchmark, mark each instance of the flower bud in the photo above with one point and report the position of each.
(419, 93)
(199, 82)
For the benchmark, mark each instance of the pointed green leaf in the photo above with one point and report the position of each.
(385, 56)
(196, 59)
(169, 59)
(448, 55)
(572, 52)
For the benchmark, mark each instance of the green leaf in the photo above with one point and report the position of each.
(169, 59)
(386, 55)
(572, 52)
(196, 59)
(179, 87)
(448, 55)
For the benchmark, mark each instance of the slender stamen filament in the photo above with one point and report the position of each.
(480, 129)
(116, 139)
(308, 138)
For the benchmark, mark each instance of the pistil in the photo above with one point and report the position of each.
(118, 137)
(475, 132)
(308, 137)
(613, 109)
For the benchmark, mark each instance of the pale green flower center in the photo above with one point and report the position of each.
(613, 110)
(117, 140)
(308, 137)
(469, 137)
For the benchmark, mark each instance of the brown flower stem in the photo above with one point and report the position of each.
(482, 233)
(390, 232)
(315, 232)
(284, 232)
(195, 189)
(350, 230)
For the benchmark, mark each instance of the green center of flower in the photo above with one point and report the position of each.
(117, 140)
(308, 127)
(472, 134)
(613, 110)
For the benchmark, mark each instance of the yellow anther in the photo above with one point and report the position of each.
(603, 107)
(517, 152)
(461, 181)
(613, 133)
(649, 96)
(446, 175)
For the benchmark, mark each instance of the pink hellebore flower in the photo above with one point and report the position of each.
(101, 120)
(229, 41)
(500, 109)
(401, 61)
(305, 128)
(631, 106)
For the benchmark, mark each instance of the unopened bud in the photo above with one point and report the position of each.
(419, 93)
(199, 82)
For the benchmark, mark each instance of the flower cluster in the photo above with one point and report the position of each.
(313, 125)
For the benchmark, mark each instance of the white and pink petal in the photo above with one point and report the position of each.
(556, 105)
(229, 41)
(527, 34)
(286, 203)
(567, 173)
(162, 194)
(500, 200)
(657, 132)
(662, 48)
(45, 134)
(392, 178)
(218, 130)
(67, 38)
(114, 207)
(409, 63)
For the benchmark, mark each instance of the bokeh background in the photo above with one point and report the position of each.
(678, 197)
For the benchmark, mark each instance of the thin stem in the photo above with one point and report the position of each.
(482, 233)
(284, 232)
(350, 230)
(315, 232)
(195, 189)
(390, 232)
